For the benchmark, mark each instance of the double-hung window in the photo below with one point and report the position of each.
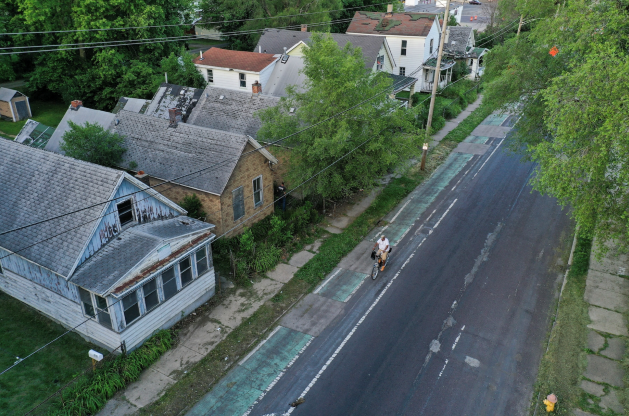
(151, 297)
(238, 203)
(403, 52)
(243, 80)
(210, 76)
(131, 307)
(169, 283)
(103, 313)
(125, 212)
(86, 300)
(380, 63)
(402, 71)
(202, 264)
(431, 45)
(257, 191)
(185, 271)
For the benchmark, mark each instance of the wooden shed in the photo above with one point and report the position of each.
(14, 105)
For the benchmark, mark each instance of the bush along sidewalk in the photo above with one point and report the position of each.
(90, 392)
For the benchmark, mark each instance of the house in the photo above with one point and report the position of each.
(35, 134)
(459, 45)
(413, 38)
(78, 114)
(230, 172)
(235, 70)
(96, 250)
(14, 105)
(167, 96)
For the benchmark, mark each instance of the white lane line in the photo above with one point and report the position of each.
(279, 376)
(326, 281)
(259, 345)
(492, 153)
(444, 367)
(444, 214)
(456, 341)
(398, 213)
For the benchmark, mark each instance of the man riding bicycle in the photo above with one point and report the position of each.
(383, 250)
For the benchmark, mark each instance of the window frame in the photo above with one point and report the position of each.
(242, 77)
(136, 304)
(243, 203)
(260, 191)
(403, 49)
(100, 312)
(89, 294)
(188, 269)
(196, 261)
(210, 76)
(403, 71)
(380, 63)
(174, 279)
(431, 45)
(145, 295)
(130, 201)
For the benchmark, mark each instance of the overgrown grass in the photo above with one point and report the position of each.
(465, 128)
(563, 364)
(22, 331)
(49, 113)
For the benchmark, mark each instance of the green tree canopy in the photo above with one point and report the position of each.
(337, 80)
(574, 107)
(92, 143)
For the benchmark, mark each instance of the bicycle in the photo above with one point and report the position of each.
(377, 265)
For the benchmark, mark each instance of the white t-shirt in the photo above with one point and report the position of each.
(383, 244)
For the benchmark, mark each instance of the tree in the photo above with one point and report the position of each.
(92, 143)
(337, 80)
(574, 108)
(194, 206)
(181, 70)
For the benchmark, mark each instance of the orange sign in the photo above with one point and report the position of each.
(554, 51)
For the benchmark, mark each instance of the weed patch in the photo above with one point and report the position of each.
(465, 128)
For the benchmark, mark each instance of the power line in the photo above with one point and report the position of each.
(188, 24)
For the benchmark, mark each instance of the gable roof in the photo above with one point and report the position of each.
(275, 40)
(401, 24)
(458, 38)
(242, 60)
(6, 94)
(42, 185)
(233, 113)
(285, 74)
(168, 153)
(79, 116)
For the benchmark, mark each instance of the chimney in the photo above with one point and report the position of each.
(174, 115)
(256, 88)
(143, 177)
(304, 28)
(76, 104)
(200, 55)
(389, 10)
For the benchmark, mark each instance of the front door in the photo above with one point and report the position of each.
(22, 110)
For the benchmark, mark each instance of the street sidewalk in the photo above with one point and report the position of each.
(211, 327)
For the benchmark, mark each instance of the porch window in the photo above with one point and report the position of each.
(202, 265)
(125, 212)
(402, 71)
(238, 203)
(243, 80)
(257, 191)
(131, 307)
(86, 300)
(151, 298)
(169, 283)
(103, 313)
(403, 52)
(431, 44)
(210, 76)
(185, 270)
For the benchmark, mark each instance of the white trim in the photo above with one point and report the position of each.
(387, 47)
(253, 142)
(11, 106)
(30, 113)
(254, 191)
(289, 50)
(152, 192)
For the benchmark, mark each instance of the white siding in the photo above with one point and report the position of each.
(58, 308)
(224, 78)
(413, 59)
(388, 66)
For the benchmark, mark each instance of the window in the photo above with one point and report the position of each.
(243, 80)
(238, 203)
(103, 313)
(125, 212)
(185, 271)
(131, 307)
(403, 48)
(210, 76)
(427, 72)
(471, 62)
(151, 297)
(257, 191)
(1, 268)
(201, 256)
(431, 43)
(169, 283)
(86, 300)
(380, 63)
(402, 71)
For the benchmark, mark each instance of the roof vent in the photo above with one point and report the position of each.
(221, 97)
(284, 59)
(292, 110)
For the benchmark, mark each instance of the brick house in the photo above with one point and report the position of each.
(233, 181)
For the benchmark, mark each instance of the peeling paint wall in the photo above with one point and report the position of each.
(145, 209)
(39, 275)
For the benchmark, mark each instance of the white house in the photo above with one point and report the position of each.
(235, 70)
(107, 256)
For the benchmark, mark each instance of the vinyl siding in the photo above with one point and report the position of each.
(414, 53)
(224, 78)
(388, 66)
(58, 308)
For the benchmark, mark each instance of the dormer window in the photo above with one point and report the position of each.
(125, 212)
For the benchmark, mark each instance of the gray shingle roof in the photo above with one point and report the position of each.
(112, 262)
(401, 82)
(234, 113)
(173, 96)
(168, 153)
(285, 74)
(80, 116)
(38, 185)
(275, 40)
(458, 37)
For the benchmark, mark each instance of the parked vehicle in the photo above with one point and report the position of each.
(475, 2)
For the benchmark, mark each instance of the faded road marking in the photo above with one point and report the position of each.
(473, 362)
(444, 367)
(487, 160)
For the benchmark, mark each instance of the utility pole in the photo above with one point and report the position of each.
(520, 25)
(435, 84)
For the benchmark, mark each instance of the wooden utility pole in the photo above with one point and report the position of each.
(520, 25)
(435, 84)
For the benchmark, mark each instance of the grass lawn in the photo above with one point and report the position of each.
(403, 94)
(23, 331)
(49, 113)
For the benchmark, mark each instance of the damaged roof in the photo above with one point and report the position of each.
(401, 24)
(458, 38)
(35, 134)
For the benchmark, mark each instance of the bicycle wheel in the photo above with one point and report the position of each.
(374, 271)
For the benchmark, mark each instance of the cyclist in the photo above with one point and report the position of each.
(383, 250)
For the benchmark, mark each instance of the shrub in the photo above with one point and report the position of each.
(267, 256)
(302, 217)
(193, 205)
(279, 233)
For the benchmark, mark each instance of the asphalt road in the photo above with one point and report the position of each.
(457, 323)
